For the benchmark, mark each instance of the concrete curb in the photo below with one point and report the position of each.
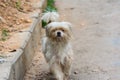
(14, 67)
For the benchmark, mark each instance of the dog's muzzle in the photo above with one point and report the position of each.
(58, 34)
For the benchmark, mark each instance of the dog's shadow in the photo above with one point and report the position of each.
(49, 76)
(45, 76)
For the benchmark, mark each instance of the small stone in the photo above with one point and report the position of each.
(82, 24)
(11, 25)
(75, 72)
(3, 5)
(28, 21)
(96, 22)
(2, 19)
(72, 8)
(22, 19)
(17, 23)
(9, 17)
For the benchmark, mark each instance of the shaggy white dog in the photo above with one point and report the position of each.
(57, 49)
(50, 17)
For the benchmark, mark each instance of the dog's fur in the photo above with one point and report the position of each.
(57, 49)
(50, 17)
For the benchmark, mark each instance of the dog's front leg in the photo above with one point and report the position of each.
(56, 70)
(67, 67)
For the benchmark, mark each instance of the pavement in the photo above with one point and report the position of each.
(96, 28)
(96, 43)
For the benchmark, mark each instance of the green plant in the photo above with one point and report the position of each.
(43, 24)
(18, 4)
(4, 34)
(50, 6)
(50, 9)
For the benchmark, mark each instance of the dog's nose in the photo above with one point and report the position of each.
(59, 34)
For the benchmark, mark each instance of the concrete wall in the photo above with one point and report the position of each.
(13, 68)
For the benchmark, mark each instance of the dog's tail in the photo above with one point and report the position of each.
(49, 17)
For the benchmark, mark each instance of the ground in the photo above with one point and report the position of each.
(96, 44)
(15, 17)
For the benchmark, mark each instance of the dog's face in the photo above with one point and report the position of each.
(59, 31)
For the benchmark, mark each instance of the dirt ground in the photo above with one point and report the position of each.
(38, 68)
(15, 17)
(96, 44)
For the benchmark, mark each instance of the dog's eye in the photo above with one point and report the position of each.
(53, 30)
(63, 30)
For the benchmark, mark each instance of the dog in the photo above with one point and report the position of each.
(57, 49)
(50, 17)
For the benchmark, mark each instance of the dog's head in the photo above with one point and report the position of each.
(59, 31)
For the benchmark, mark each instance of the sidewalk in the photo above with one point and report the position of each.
(96, 27)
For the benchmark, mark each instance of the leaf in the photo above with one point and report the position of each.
(43, 24)
(4, 35)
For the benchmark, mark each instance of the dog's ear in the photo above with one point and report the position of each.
(70, 28)
(69, 25)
